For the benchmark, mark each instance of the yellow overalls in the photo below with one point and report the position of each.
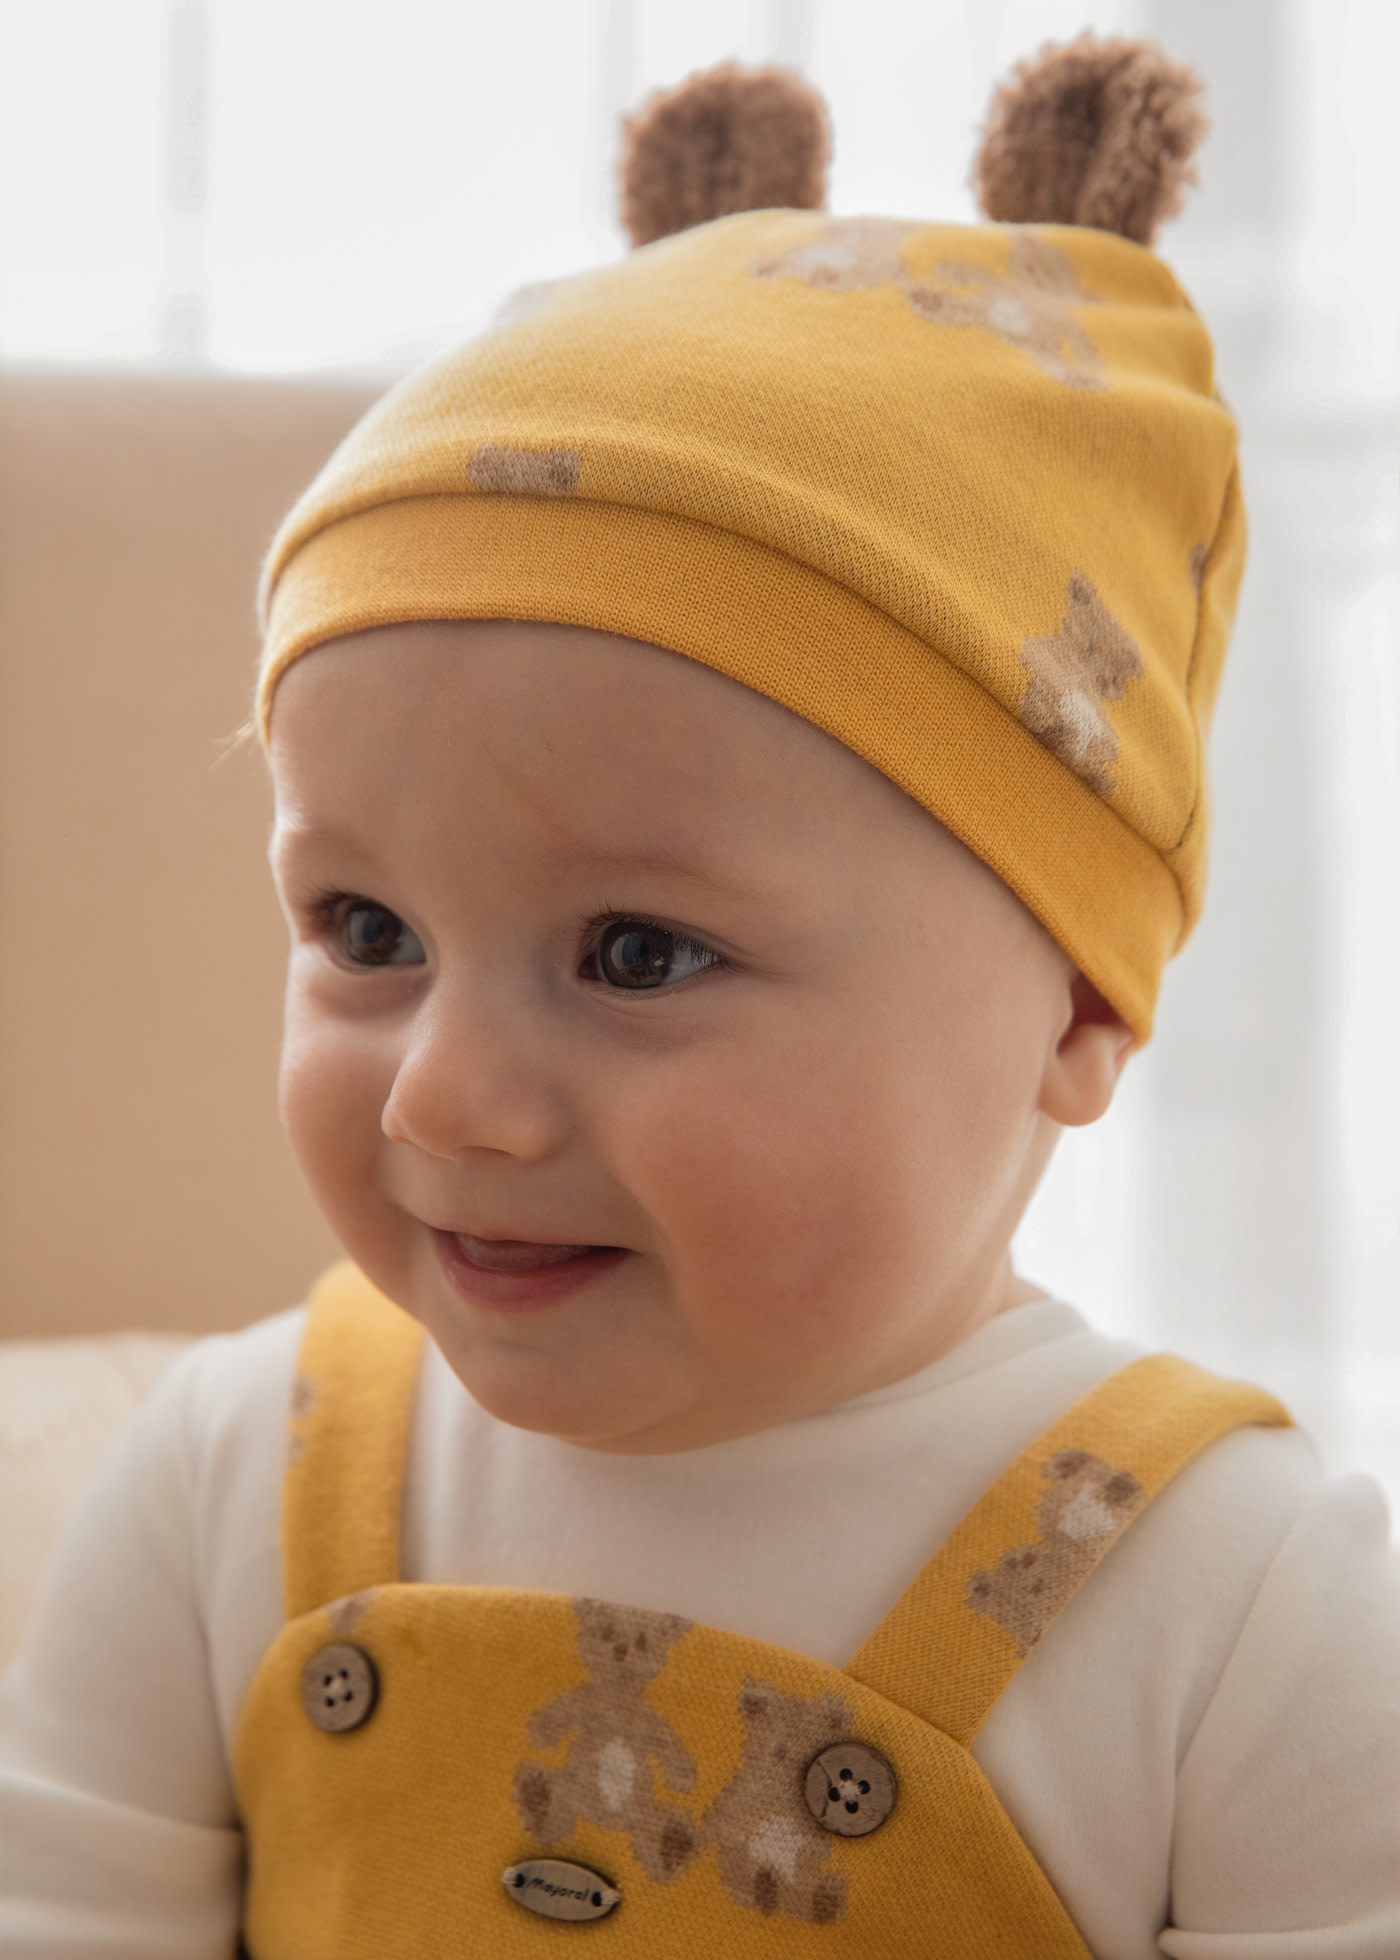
(433, 1771)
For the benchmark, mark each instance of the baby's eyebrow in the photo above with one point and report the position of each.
(291, 842)
(658, 861)
(287, 834)
(292, 839)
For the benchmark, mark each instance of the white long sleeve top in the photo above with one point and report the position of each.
(1203, 1754)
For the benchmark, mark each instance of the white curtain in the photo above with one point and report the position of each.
(297, 184)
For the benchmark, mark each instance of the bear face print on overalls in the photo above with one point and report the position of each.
(464, 1771)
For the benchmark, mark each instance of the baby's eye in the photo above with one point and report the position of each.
(636, 954)
(372, 935)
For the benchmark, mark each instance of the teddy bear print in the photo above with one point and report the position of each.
(1086, 1510)
(498, 468)
(849, 256)
(772, 1854)
(1087, 660)
(1027, 306)
(615, 1736)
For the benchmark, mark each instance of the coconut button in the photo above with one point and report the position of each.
(850, 1789)
(339, 1688)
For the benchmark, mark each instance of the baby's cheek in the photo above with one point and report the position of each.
(778, 1208)
(331, 1115)
(831, 1183)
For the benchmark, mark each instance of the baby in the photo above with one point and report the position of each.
(736, 735)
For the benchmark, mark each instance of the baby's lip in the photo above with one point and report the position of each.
(515, 1276)
(519, 1255)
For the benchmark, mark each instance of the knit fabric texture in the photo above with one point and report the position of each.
(963, 496)
(668, 1758)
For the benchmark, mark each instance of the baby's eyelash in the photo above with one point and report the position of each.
(322, 909)
(594, 928)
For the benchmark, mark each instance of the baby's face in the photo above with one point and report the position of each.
(676, 1070)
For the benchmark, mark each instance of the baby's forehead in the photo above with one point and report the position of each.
(548, 713)
(541, 743)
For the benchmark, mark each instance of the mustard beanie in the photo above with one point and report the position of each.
(963, 496)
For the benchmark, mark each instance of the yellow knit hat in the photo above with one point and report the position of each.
(963, 496)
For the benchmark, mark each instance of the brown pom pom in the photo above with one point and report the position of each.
(731, 139)
(1095, 133)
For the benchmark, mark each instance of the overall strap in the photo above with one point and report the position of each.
(351, 1408)
(956, 1639)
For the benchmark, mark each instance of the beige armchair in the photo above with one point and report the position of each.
(144, 1183)
(143, 1179)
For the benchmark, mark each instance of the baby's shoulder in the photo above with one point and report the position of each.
(233, 1376)
(1239, 1497)
(1204, 1545)
(219, 1413)
(1232, 1542)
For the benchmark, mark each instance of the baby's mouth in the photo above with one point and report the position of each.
(519, 1255)
(521, 1275)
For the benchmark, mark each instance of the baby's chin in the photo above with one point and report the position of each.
(534, 1392)
(594, 1393)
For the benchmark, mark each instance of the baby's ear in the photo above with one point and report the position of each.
(1083, 1070)
(730, 139)
(1096, 133)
